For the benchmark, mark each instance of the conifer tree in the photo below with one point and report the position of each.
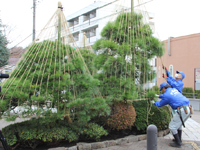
(53, 77)
(124, 51)
(4, 52)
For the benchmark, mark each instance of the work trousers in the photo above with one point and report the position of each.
(176, 123)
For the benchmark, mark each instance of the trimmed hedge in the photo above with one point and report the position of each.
(187, 90)
(43, 131)
(197, 92)
(157, 116)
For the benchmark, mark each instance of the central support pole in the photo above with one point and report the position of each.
(59, 20)
(33, 20)
(132, 39)
(84, 38)
(132, 6)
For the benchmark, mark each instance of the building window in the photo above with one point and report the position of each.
(76, 36)
(73, 22)
(89, 15)
(155, 62)
(87, 33)
(159, 72)
(86, 17)
(171, 70)
(70, 23)
(93, 14)
(91, 32)
(76, 21)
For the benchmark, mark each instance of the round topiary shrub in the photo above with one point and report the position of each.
(122, 116)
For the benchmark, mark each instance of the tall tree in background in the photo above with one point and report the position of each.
(4, 52)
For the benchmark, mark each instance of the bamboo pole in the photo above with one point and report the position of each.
(59, 20)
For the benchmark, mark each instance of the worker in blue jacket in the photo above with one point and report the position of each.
(178, 102)
(178, 84)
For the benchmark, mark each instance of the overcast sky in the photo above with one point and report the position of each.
(172, 17)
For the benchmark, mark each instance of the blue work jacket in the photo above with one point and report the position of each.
(175, 84)
(172, 97)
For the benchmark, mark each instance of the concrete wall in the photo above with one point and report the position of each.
(185, 56)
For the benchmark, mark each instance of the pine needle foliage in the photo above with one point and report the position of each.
(52, 77)
(124, 51)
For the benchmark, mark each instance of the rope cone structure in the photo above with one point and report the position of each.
(54, 77)
(85, 43)
(51, 75)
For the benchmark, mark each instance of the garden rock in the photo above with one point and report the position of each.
(58, 148)
(72, 148)
(83, 146)
(132, 138)
(142, 137)
(110, 143)
(121, 141)
(160, 133)
(97, 145)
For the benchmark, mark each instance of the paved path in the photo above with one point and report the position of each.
(190, 138)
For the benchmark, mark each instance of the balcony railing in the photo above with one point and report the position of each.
(84, 25)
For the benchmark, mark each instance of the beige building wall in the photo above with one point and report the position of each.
(185, 57)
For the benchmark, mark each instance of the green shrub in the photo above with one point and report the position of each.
(187, 90)
(93, 131)
(148, 114)
(197, 93)
(33, 132)
(49, 131)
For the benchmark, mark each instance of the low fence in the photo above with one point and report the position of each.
(194, 100)
(195, 103)
(192, 95)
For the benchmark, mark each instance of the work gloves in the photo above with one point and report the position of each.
(165, 68)
(165, 76)
(152, 101)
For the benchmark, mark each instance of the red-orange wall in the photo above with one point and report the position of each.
(185, 57)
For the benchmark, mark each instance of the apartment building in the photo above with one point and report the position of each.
(182, 54)
(91, 20)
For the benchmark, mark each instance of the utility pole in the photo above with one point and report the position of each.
(33, 20)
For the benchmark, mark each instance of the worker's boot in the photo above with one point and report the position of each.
(177, 143)
(180, 135)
